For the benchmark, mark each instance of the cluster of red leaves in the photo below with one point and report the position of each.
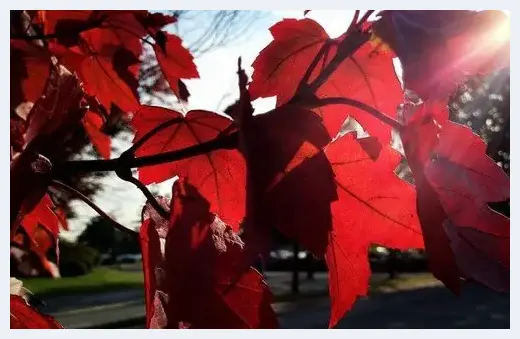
(73, 68)
(192, 270)
(334, 194)
(336, 197)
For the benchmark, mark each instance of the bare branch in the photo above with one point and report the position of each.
(81, 196)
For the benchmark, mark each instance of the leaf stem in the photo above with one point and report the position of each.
(92, 205)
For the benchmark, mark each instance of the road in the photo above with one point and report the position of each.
(431, 307)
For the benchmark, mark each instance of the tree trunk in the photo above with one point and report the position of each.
(295, 273)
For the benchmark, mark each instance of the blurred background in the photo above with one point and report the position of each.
(99, 270)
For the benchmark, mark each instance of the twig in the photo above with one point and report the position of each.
(346, 48)
(312, 66)
(354, 21)
(89, 202)
(365, 17)
(358, 104)
(149, 197)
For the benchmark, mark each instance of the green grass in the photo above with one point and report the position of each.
(99, 280)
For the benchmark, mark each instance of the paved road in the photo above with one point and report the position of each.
(433, 307)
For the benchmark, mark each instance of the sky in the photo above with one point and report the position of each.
(216, 88)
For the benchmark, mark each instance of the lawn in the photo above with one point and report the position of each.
(99, 280)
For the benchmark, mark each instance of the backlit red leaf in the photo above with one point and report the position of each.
(218, 175)
(23, 316)
(455, 181)
(29, 71)
(438, 49)
(191, 271)
(367, 76)
(175, 60)
(101, 75)
(93, 124)
(334, 199)
(42, 214)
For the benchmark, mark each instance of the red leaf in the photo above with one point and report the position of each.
(50, 121)
(59, 107)
(175, 60)
(368, 76)
(93, 124)
(295, 44)
(155, 21)
(100, 29)
(334, 202)
(219, 175)
(438, 49)
(25, 317)
(198, 271)
(42, 214)
(29, 72)
(101, 75)
(360, 201)
(455, 181)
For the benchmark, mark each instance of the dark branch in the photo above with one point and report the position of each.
(149, 197)
(79, 195)
(358, 104)
(83, 166)
(346, 48)
(354, 21)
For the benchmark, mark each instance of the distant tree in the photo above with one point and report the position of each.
(99, 234)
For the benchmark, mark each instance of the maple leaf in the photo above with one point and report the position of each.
(191, 273)
(367, 76)
(219, 175)
(100, 28)
(361, 201)
(29, 65)
(49, 123)
(42, 214)
(175, 61)
(104, 52)
(437, 49)
(455, 182)
(334, 199)
(93, 124)
(100, 74)
(23, 316)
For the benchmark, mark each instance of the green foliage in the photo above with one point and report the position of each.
(77, 259)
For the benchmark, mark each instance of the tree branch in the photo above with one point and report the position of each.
(358, 104)
(89, 202)
(149, 196)
(229, 141)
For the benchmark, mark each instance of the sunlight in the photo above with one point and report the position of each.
(502, 32)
